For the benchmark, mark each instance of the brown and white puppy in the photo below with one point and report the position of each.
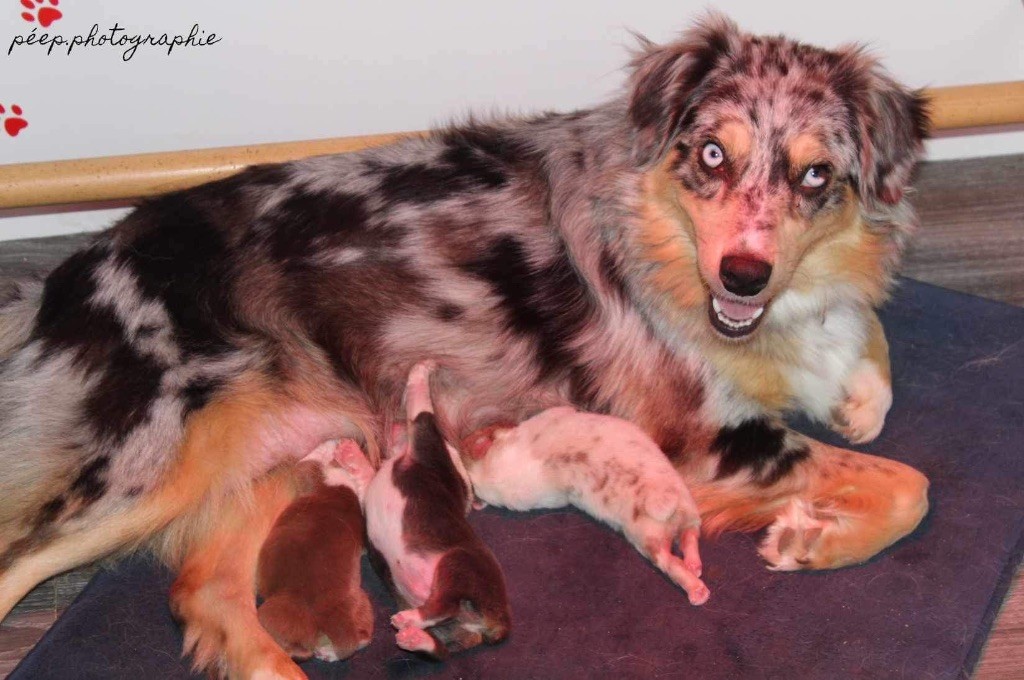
(441, 571)
(606, 467)
(308, 572)
(699, 255)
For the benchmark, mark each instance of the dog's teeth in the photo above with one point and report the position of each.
(729, 322)
(732, 323)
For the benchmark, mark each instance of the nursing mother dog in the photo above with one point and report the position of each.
(698, 255)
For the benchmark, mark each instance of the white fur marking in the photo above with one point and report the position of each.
(868, 399)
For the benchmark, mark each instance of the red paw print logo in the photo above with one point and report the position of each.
(39, 11)
(13, 124)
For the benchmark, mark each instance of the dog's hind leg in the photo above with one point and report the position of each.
(214, 594)
(216, 546)
(66, 515)
(32, 564)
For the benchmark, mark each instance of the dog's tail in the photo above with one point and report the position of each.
(49, 477)
(19, 302)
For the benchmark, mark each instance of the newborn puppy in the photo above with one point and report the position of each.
(605, 466)
(308, 569)
(416, 506)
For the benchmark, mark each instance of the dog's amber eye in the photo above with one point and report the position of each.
(816, 176)
(712, 155)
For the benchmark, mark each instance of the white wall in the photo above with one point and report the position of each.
(322, 68)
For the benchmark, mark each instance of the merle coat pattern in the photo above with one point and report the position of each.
(150, 386)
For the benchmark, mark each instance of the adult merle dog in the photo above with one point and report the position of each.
(699, 255)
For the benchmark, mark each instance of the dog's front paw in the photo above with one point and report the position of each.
(861, 415)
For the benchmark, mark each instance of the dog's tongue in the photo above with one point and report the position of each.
(737, 311)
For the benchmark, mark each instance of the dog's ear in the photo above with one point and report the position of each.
(665, 77)
(892, 124)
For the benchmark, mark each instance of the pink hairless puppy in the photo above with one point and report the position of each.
(416, 509)
(606, 467)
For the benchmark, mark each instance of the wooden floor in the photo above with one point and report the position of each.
(971, 239)
(972, 227)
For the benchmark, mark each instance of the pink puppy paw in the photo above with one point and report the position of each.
(351, 458)
(698, 594)
(408, 618)
(691, 553)
(415, 640)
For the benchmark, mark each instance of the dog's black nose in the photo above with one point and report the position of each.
(744, 276)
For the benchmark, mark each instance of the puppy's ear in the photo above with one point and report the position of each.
(664, 78)
(892, 124)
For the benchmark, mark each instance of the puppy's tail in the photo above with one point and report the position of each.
(19, 302)
(290, 624)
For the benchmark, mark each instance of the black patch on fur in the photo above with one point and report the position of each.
(339, 307)
(481, 165)
(501, 149)
(196, 394)
(785, 463)
(549, 303)
(505, 267)
(91, 482)
(121, 400)
(51, 511)
(473, 159)
(180, 257)
(67, 320)
(752, 445)
(780, 170)
(448, 311)
(309, 222)
(420, 183)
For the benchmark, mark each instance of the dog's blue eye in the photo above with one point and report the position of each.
(712, 155)
(816, 176)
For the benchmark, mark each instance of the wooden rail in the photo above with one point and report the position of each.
(128, 177)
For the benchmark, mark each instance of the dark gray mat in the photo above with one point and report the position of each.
(585, 605)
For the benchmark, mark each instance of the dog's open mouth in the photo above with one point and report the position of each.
(734, 319)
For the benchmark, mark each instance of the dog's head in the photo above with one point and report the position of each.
(774, 175)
